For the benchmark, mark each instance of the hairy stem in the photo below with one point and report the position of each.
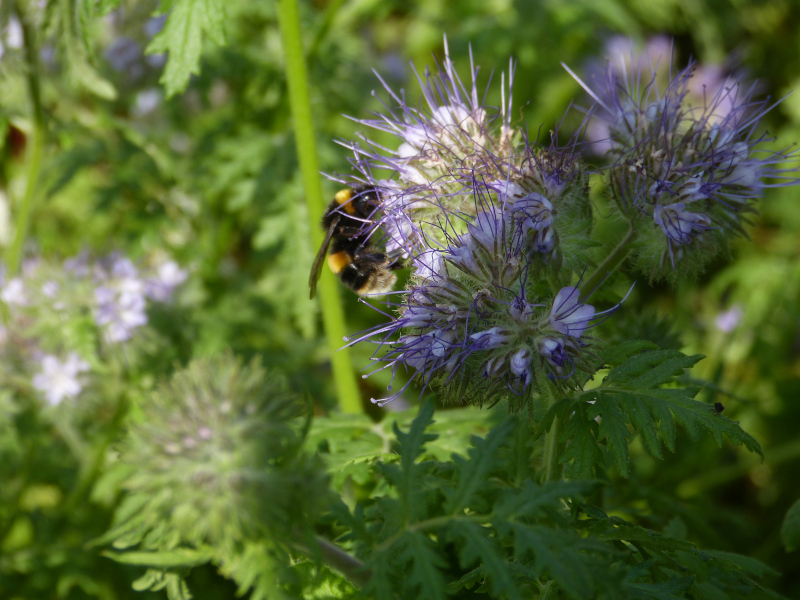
(93, 468)
(347, 390)
(35, 146)
(552, 468)
(336, 558)
(612, 261)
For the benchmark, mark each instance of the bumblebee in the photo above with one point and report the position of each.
(360, 265)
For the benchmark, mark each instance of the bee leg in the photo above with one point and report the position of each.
(351, 232)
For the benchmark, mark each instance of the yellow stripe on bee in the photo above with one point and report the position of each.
(339, 261)
(343, 198)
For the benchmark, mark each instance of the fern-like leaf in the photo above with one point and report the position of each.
(472, 472)
(631, 397)
(582, 449)
(475, 546)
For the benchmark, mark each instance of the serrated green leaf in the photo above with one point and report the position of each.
(471, 473)
(182, 38)
(177, 588)
(558, 409)
(553, 557)
(615, 354)
(651, 369)
(475, 547)
(582, 448)
(653, 540)
(631, 395)
(381, 584)
(643, 421)
(790, 530)
(665, 590)
(533, 500)
(425, 566)
(692, 415)
(411, 446)
(149, 580)
(166, 559)
(614, 430)
(746, 564)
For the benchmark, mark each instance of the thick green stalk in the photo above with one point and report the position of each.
(552, 468)
(612, 261)
(35, 148)
(332, 315)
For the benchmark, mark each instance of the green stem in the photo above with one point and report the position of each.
(333, 556)
(35, 147)
(299, 98)
(552, 468)
(612, 261)
(92, 469)
(338, 559)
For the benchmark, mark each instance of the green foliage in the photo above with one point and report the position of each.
(631, 399)
(790, 531)
(205, 172)
(434, 529)
(214, 473)
(182, 37)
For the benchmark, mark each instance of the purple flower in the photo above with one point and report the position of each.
(119, 312)
(59, 380)
(14, 293)
(728, 320)
(120, 300)
(168, 277)
(669, 153)
(679, 225)
(568, 316)
(553, 350)
(482, 215)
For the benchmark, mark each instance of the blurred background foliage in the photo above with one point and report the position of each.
(209, 177)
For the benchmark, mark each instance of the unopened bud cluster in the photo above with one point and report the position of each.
(216, 458)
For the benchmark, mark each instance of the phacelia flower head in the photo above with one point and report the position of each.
(684, 174)
(494, 227)
(478, 323)
(448, 144)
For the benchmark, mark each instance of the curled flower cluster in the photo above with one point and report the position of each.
(487, 223)
(471, 316)
(683, 174)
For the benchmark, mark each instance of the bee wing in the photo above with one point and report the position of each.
(316, 268)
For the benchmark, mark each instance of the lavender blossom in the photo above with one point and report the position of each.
(168, 277)
(448, 147)
(120, 301)
(14, 293)
(59, 380)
